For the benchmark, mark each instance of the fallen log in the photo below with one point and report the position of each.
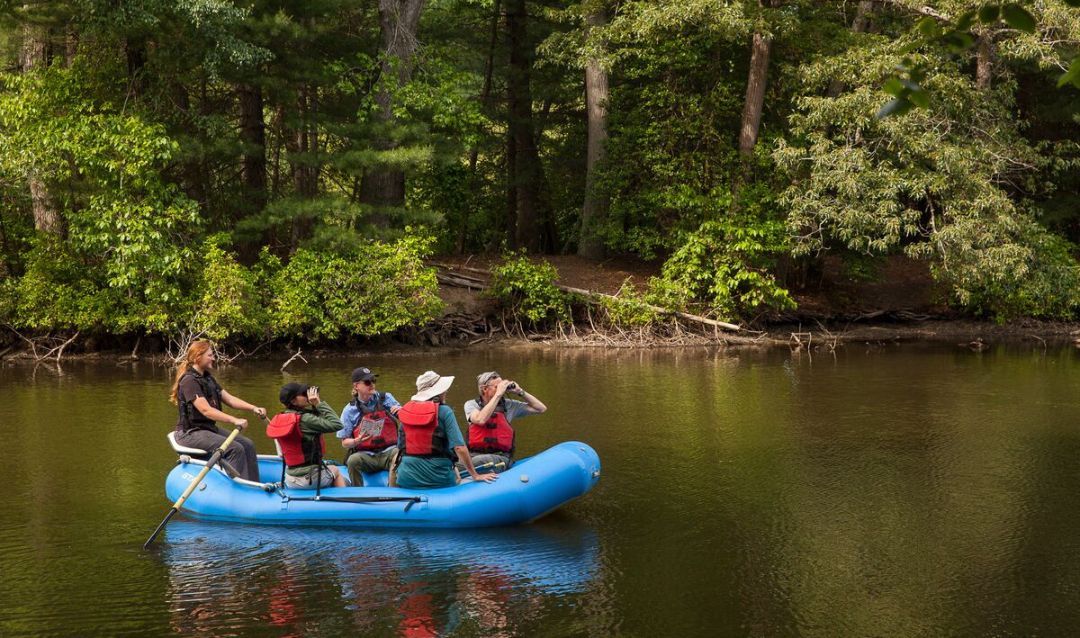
(661, 310)
(464, 281)
(459, 281)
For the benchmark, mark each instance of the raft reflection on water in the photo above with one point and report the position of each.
(413, 582)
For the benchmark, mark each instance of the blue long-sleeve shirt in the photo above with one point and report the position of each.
(350, 416)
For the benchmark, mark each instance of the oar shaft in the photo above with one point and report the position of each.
(483, 466)
(214, 458)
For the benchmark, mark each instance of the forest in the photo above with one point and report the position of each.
(286, 168)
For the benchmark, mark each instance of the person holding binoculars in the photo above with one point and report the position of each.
(299, 431)
(491, 437)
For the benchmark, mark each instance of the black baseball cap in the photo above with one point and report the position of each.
(290, 391)
(363, 374)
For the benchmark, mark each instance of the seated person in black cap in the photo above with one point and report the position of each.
(299, 431)
(370, 428)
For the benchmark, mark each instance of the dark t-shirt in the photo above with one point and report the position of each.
(189, 390)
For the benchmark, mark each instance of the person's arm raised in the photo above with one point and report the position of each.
(534, 405)
(484, 414)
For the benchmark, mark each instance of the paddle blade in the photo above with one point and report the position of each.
(160, 527)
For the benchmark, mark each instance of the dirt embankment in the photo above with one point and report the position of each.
(901, 303)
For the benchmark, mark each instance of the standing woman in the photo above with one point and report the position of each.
(199, 397)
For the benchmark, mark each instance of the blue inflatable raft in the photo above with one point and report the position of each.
(530, 489)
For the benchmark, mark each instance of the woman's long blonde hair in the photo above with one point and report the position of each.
(194, 351)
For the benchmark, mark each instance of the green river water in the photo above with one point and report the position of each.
(883, 491)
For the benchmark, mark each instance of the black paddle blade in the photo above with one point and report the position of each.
(160, 527)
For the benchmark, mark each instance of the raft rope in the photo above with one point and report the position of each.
(279, 488)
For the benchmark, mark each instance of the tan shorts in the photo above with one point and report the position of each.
(308, 479)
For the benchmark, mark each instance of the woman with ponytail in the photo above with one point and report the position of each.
(199, 397)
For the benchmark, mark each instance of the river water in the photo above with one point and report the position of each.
(883, 491)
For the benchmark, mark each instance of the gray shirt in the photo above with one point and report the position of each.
(514, 408)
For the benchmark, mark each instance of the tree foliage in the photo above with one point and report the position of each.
(211, 163)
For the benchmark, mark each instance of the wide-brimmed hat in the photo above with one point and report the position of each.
(430, 385)
(290, 391)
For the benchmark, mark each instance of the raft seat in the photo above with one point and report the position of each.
(195, 453)
(183, 449)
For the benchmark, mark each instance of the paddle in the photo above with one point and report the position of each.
(357, 499)
(191, 488)
(482, 466)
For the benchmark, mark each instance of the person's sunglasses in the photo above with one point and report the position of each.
(369, 382)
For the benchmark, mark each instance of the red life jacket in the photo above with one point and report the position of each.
(493, 437)
(386, 437)
(423, 435)
(285, 427)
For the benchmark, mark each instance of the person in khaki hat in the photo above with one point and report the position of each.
(432, 440)
(491, 438)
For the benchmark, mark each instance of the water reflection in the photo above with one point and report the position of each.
(293, 581)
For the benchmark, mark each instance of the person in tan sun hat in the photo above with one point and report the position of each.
(431, 438)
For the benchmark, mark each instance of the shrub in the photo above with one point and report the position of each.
(725, 264)
(629, 308)
(231, 303)
(366, 292)
(527, 289)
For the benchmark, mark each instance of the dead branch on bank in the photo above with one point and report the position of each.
(55, 345)
(176, 349)
(293, 358)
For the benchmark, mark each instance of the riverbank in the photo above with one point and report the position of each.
(900, 306)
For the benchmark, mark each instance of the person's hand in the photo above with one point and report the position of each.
(503, 386)
(260, 412)
(487, 478)
(394, 410)
(240, 423)
(313, 395)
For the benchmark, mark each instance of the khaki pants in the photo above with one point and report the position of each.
(360, 462)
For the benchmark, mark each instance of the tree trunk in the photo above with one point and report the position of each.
(531, 207)
(303, 162)
(594, 211)
(383, 187)
(984, 61)
(253, 136)
(135, 54)
(755, 93)
(71, 47)
(861, 24)
(485, 101)
(34, 54)
(510, 225)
